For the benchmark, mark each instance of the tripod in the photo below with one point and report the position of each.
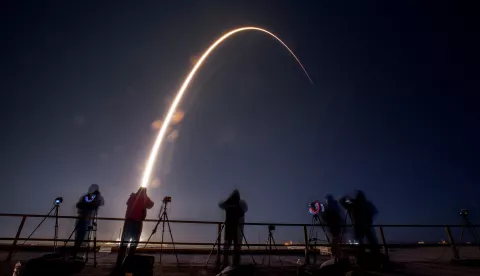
(54, 209)
(316, 222)
(467, 225)
(218, 242)
(163, 218)
(268, 247)
(55, 235)
(91, 232)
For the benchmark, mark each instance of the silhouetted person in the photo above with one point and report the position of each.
(137, 206)
(87, 207)
(333, 219)
(235, 209)
(362, 213)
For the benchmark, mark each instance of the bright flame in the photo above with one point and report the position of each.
(161, 134)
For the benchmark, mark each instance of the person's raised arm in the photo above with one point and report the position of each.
(80, 204)
(130, 200)
(149, 203)
(101, 200)
(244, 205)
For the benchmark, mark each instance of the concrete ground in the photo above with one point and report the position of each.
(418, 262)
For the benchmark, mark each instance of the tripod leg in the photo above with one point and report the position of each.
(95, 242)
(329, 243)
(88, 244)
(309, 247)
(171, 237)
(163, 233)
(275, 245)
(461, 239)
(269, 248)
(55, 236)
(319, 222)
(38, 226)
(266, 249)
(474, 235)
(33, 232)
(477, 240)
(219, 237)
(69, 238)
(153, 231)
(248, 246)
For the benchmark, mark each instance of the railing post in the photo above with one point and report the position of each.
(384, 241)
(452, 242)
(14, 244)
(305, 238)
(219, 235)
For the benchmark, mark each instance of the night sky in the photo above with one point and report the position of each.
(394, 108)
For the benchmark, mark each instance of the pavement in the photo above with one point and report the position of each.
(418, 262)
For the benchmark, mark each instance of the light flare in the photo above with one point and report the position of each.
(161, 134)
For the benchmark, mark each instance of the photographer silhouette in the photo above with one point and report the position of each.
(87, 206)
(235, 209)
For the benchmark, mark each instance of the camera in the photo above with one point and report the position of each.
(315, 207)
(271, 228)
(58, 200)
(347, 202)
(167, 199)
(464, 213)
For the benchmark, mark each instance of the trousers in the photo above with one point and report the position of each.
(81, 229)
(130, 235)
(233, 236)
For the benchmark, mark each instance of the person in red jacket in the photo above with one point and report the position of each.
(136, 213)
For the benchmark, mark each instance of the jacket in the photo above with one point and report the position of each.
(137, 206)
(235, 209)
(89, 202)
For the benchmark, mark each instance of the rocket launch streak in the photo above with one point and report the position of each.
(161, 134)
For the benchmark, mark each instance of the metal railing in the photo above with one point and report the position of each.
(306, 245)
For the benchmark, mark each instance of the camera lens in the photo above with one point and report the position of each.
(58, 200)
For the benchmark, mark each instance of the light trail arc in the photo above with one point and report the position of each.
(161, 134)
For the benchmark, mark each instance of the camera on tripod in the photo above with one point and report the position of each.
(58, 200)
(464, 213)
(347, 202)
(271, 228)
(315, 207)
(167, 199)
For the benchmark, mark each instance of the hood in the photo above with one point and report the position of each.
(142, 191)
(360, 196)
(93, 188)
(332, 204)
(235, 195)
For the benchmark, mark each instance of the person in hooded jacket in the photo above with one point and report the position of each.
(235, 209)
(362, 214)
(87, 207)
(333, 219)
(137, 206)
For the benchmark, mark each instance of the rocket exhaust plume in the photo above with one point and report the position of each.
(161, 134)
